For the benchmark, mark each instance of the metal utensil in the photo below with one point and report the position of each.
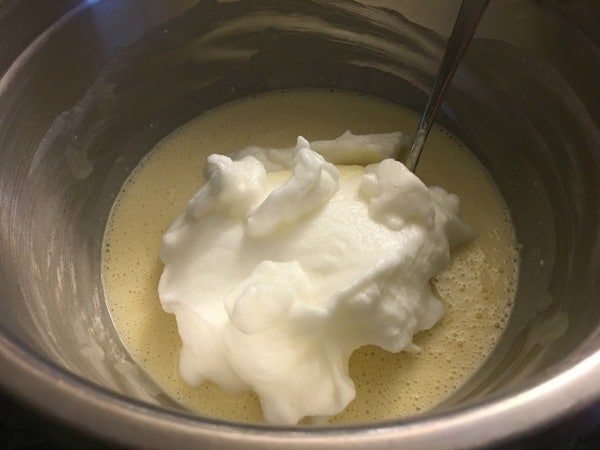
(464, 28)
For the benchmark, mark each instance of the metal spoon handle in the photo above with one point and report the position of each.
(464, 27)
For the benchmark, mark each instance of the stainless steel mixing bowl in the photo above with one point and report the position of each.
(88, 87)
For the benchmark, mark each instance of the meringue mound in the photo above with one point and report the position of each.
(276, 278)
(476, 289)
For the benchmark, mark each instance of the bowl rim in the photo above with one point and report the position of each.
(56, 394)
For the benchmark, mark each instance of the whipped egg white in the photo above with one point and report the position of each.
(284, 263)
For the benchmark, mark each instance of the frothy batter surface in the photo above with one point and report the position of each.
(477, 288)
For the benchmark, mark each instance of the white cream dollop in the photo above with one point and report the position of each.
(276, 277)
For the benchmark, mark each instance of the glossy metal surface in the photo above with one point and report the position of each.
(87, 88)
